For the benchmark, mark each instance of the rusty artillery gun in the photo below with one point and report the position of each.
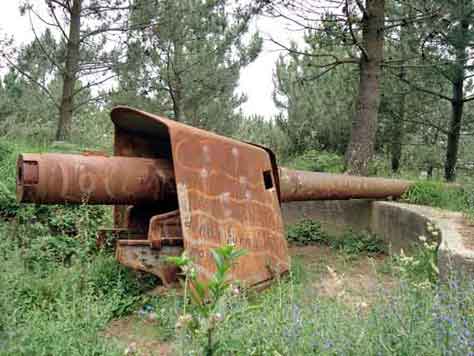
(176, 187)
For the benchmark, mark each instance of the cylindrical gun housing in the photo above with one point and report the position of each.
(66, 178)
(301, 185)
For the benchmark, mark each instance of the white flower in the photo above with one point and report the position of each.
(214, 319)
(183, 321)
(131, 349)
(422, 238)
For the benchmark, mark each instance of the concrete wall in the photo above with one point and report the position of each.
(400, 225)
(335, 216)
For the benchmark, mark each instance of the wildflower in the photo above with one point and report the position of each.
(328, 344)
(235, 290)
(152, 316)
(362, 305)
(422, 238)
(214, 319)
(435, 233)
(131, 349)
(183, 321)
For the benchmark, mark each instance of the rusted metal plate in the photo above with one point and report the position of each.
(226, 192)
(138, 255)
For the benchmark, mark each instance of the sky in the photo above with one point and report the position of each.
(256, 80)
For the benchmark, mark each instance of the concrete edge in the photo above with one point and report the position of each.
(399, 224)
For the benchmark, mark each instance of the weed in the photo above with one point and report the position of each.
(436, 194)
(357, 243)
(306, 232)
(317, 161)
(208, 297)
(420, 267)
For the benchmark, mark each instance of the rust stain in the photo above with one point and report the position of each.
(176, 187)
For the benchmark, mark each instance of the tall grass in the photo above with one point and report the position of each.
(57, 291)
(292, 319)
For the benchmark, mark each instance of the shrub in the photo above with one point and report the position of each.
(317, 161)
(356, 243)
(436, 194)
(208, 296)
(408, 320)
(306, 232)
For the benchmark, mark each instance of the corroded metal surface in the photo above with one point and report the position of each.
(301, 185)
(65, 178)
(178, 188)
(138, 255)
(226, 193)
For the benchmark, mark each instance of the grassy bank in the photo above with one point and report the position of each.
(59, 294)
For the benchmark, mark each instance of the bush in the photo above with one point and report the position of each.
(306, 232)
(436, 194)
(317, 161)
(356, 243)
(409, 320)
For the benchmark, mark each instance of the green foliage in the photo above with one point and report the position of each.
(208, 297)
(206, 45)
(258, 130)
(57, 291)
(357, 243)
(288, 319)
(421, 265)
(436, 194)
(318, 161)
(61, 311)
(306, 232)
(316, 107)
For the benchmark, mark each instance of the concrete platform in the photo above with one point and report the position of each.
(400, 225)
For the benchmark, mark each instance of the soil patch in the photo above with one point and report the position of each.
(353, 281)
(137, 336)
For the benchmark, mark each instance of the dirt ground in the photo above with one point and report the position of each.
(353, 281)
(137, 336)
(330, 274)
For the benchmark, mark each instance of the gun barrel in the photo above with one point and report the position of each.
(301, 185)
(66, 178)
(54, 178)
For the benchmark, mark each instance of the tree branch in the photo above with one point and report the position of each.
(354, 38)
(424, 90)
(362, 8)
(314, 55)
(32, 80)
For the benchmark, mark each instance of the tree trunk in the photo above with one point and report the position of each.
(397, 135)
(176, 83)
(177, 103)
(364, 126)
(66, 108)
(457, 103)
(454, 132)
(397, 124)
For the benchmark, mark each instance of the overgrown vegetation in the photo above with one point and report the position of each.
(449, 197)
(417, 317)
(309, 231)
(58, 293)
(317, 161)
